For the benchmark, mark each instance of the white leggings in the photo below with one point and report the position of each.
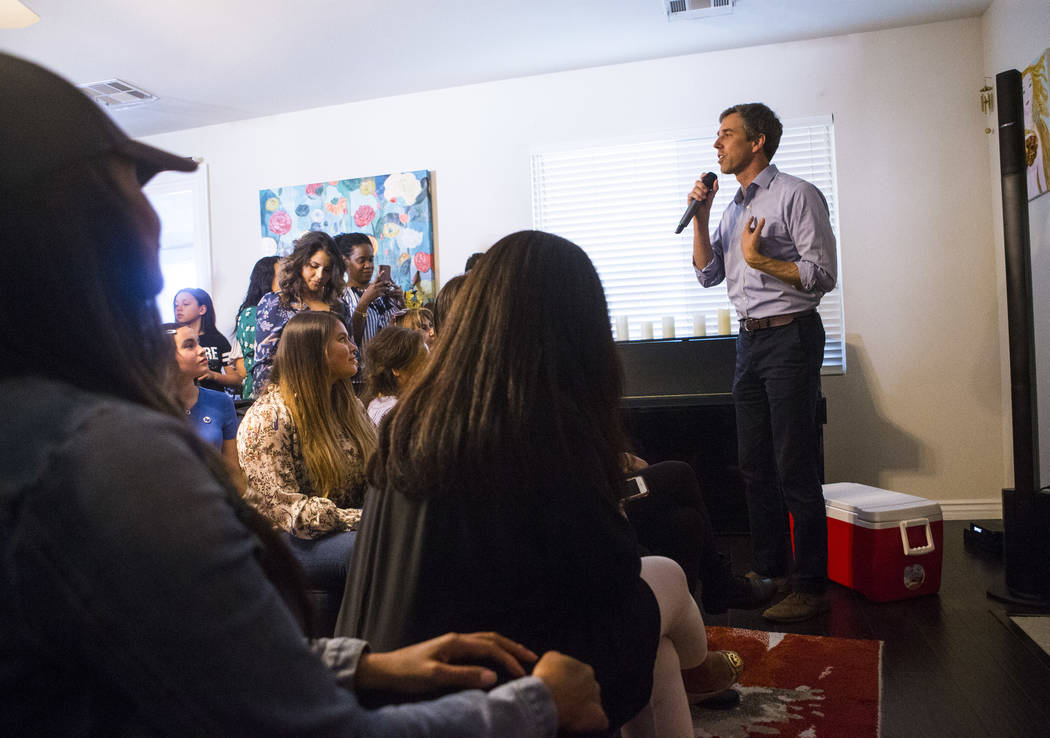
(683, 645)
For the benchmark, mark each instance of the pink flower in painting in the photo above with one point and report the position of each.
(403, 217)
(336, 206)
(280, 223)
(313, 190)
(422, 261)
(364, 215)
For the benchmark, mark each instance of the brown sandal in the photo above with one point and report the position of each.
(719, 672)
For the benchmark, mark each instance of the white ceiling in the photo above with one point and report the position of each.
(214, 61)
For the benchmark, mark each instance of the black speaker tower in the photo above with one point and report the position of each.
(1026, 509)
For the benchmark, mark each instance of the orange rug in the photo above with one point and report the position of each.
(797, 686)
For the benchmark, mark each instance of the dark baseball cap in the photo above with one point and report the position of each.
(47, 124)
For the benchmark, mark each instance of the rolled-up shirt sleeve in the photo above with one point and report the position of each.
(810, 227)
(714, 271)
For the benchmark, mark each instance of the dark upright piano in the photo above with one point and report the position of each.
(678, 404)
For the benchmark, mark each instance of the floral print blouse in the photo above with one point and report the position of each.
(279, 486)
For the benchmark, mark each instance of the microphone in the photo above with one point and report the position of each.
(690, 212)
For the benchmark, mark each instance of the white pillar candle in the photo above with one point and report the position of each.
(699, 324)
(621, 328)
(723, 322)
(647, 330)
(668, 327)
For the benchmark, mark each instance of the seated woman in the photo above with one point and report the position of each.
(495, 489)
(213, 414)
(394, 356)
(311, 279)
(194, 307)
(303, 446)
(305, 441)
(263, 279)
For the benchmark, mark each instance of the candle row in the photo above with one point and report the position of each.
(699, 326)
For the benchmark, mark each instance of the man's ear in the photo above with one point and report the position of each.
(759, 143)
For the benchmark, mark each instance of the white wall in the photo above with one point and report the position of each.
(919, 409)
(1015, 33)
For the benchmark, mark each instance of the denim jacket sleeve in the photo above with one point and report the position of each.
(125, 565)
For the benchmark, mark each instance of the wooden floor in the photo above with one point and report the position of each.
(953, 664)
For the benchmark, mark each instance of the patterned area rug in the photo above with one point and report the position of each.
(797, 686)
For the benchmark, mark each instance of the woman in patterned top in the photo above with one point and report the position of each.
(304, 443)
(311, 279)
(264, 278)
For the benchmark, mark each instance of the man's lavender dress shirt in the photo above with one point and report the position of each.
(797, 229)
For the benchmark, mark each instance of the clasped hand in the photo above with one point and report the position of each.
(437, 664)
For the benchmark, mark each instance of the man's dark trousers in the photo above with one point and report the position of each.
(776, 390)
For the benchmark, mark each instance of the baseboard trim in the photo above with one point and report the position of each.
(989, 509)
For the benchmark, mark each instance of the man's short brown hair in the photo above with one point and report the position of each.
(758, 120)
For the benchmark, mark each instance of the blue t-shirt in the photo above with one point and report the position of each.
(214, 417)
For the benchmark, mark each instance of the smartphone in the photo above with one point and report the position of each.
(384, 273)
(634, 488)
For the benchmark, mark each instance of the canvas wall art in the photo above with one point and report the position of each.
(1035, 86)
(394, 208)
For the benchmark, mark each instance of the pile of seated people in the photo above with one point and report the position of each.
(427, 522)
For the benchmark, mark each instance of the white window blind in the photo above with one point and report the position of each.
(620, 203)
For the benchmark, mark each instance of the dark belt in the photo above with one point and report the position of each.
(774, 321)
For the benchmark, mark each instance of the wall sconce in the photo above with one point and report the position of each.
(987, 98)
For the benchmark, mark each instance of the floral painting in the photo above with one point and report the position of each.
(394, 208)
(1035, 86)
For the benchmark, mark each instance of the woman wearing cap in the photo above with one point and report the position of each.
(138, 594)
(311, 279)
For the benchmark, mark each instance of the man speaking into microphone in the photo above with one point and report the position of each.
(775, 248)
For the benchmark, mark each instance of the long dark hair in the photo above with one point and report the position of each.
(202, 298)
(293, 287)
(443, 302)
(322, 414)
(259, 283)
(522, 394)
(104, 272)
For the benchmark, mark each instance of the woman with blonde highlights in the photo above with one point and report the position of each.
(304, 443)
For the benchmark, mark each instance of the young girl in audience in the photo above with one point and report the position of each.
(495, 497)
(194, 308)
(212, 412)
(139, 595)
(311, 279)
(395, 355)
(418, 319)
(263, 279)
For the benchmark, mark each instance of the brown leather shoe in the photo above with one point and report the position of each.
(798, 606)
(719, 672)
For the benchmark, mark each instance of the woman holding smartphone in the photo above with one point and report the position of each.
(370, 305)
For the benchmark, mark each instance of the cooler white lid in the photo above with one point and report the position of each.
(877, 505)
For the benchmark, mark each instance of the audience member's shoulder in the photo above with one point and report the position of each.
(53, 414)
(269, 300)
(214, 397)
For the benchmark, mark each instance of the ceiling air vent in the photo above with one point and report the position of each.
(694, 9)
(116, 94)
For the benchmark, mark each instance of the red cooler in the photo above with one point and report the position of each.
(886, 545)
